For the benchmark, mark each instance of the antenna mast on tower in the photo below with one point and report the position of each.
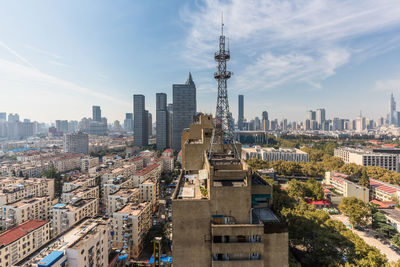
(223, 133)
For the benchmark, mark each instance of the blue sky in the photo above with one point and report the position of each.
(58, 58)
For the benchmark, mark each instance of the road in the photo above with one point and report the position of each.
(370, 240)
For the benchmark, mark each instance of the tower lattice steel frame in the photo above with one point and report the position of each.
(223, 130)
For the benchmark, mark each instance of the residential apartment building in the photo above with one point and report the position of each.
(37, 208)
(21, 241)
(86, 244)
(365, 157)
(77, 143)
(149, 191)
(272, 154)
(80, 193)
(132, 224)
(345, 187)
(151, 172)
(118, 199)
(88, 163)
(27, 188)
(167, 160)
(66, 215)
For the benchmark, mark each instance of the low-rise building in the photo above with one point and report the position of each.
(86, 244)
(345, 187)
(27, 188)
(149, 191)
(118, 199)
(272, 154)
(151, 172)
(66, 215)
(130, 226)
(384, 191)
(88, 163)
(80, 193)
(167, 160)
(21, 241)
(393, 217)
(366, 157)
(37, 208)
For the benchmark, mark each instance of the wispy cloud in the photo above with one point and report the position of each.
(27, 75)
(281, 41)
(391, 85)
(16, 54)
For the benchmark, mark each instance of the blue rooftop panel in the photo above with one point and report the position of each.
(59, 205)
(50, 259)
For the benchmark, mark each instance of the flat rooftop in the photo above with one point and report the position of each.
(134, 209)
(263, 215)
(189, 187)
(393, 213)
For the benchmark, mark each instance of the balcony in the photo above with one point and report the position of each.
(225, 260)
(237, 247)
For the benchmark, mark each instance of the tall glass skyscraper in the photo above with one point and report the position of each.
(96, 113)
(184, 109)
(140, 121)
(241, 112)
(162, 121)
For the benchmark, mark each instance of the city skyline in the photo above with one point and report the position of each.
(353, 56)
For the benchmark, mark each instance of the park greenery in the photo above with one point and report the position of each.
(314, 238)
(358, 212)
(321, 160)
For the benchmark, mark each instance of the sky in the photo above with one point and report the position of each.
(58, 58)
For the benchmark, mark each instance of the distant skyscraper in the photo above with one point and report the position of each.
(311, 115)
(76, 143)
(62, 126)
(13, 117)
(128, 122)
(150, 123)
(184, 109)
(241, 112)
(3, 116)
(320, 117)
(265, 121)
(140, 125)
(392, 111)
(162, 121)
(96, 113)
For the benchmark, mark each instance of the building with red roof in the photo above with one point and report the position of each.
(319, 204)
(384, 191)
(345, 187)
(34, 233)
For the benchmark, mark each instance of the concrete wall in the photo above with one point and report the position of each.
(191, 233)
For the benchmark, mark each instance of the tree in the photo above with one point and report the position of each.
(315, 190)
(53, 174)
(352, 170)
(296, 189)
(364, 179)
(358, 212)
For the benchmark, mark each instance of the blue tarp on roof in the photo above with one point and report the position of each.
(163, 259)
(50, 259)
(59, 205)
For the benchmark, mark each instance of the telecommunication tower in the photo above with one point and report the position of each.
(223, 132)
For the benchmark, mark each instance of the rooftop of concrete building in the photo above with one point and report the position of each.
(125, 192)
(75, 205)
(26, 202)
(273, 150)
(67, 240)
(134, 209)
(363, 151)
(148, 169)
(189, 186)
(393, 213)
(21, 230)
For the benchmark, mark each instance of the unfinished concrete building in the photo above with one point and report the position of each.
(221, 209)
